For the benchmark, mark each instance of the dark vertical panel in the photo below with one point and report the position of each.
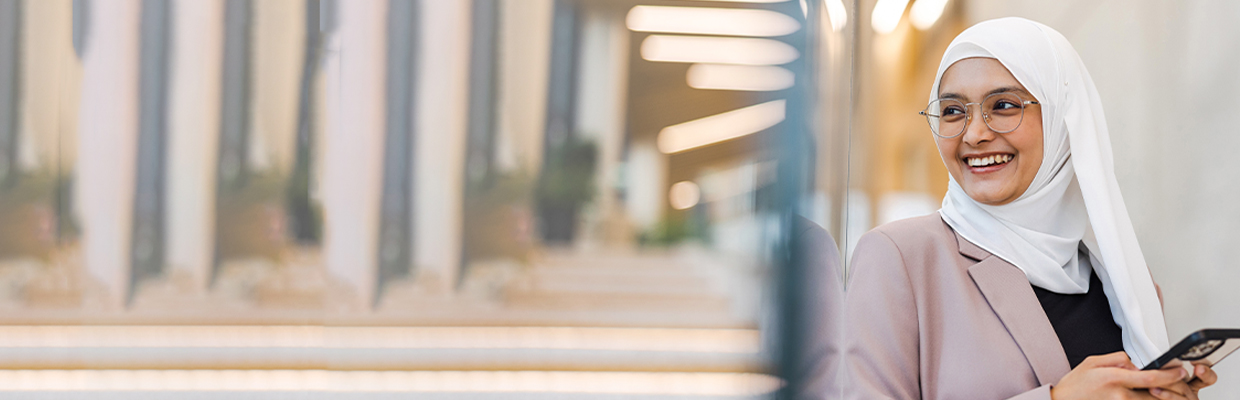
(10, 86)
(81, 25)
(561, 83)
(795, 152)
(480, 153)
(147, 247)
(235, 96)
(480, 132)
(395, 223)
(234, 114)
(557, 219)
(328, 15)
(302, 215)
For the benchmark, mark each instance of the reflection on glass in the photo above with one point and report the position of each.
(447, 196)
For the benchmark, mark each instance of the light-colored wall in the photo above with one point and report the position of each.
(47, 70)
(1168, 75)
(278, 52)
(524, 59)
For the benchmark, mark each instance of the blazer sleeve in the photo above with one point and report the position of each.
(881, 342)
(881, 329)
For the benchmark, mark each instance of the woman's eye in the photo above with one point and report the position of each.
(1005, 105)
(952, 111)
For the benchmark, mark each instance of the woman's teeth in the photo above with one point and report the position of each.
(988, 161)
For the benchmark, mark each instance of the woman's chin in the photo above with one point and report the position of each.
(990, 196)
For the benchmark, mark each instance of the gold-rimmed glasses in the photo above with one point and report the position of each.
(1002, 112)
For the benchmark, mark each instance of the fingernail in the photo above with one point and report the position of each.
(1155, 391)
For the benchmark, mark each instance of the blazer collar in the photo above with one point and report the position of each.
(1008, 292)
(967, 248)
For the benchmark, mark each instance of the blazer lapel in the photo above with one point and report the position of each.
(1008, 292)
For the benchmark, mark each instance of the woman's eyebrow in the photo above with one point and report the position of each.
(1007, 89)
(956, 96)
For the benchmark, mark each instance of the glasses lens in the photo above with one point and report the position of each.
(947, 117)
(1005, 111)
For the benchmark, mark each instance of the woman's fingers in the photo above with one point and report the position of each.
(1117, 359)
(1178, 390)
(1149, 379)
(1165, 394)
(1205, 377)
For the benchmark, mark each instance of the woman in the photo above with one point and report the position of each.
(1029, 282)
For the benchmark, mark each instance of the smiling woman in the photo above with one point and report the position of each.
(1030, 276)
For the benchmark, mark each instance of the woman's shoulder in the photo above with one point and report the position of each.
(906, 252)
(912, 236)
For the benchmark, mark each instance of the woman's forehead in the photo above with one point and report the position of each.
(976, 77)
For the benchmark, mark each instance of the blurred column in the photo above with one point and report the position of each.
(302, 207)
(108, 145)
(602, 86)
(395, 241)
(353, 150)
(10, 29)
(193, 137)
(646, 183)
(147, 249)
(439, 142)
(483, 49)
(557, 218)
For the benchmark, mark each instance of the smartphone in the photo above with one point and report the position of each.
(1206, 346)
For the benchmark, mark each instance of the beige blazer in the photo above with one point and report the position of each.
(929, 315)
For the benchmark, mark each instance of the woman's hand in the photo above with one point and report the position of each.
(1112, 376)
(1203, 376)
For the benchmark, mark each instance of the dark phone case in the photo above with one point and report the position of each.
(1229, 340)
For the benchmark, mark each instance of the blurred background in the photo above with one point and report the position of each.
(523, 198)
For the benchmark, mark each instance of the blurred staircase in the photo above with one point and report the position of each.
(567, 325)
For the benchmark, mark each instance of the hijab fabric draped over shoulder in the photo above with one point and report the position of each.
(1073, 199)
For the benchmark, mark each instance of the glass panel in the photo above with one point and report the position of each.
(445, 198)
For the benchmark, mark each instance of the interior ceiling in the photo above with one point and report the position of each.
(659, 96)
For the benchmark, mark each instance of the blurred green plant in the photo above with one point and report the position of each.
(568, 176)
(669, 231)
(498, 220)
(34, 212)
(250, 218)
(566, 184)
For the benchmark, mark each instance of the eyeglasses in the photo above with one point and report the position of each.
(1002, 112)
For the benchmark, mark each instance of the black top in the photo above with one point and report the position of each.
(1083, 322)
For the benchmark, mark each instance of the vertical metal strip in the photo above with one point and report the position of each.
(146, 246)
(234, 110)
(395, 210)
(10, 88)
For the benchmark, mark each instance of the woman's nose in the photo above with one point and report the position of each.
(977, 131)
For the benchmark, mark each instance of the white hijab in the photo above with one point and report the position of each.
(1040, 232)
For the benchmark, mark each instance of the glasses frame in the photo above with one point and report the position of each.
(969, 115)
